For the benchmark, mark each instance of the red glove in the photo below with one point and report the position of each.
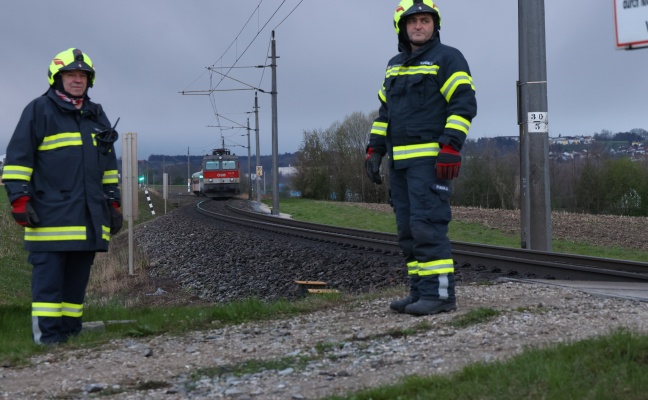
(116, 218)
(372, 165)
(448, 162)
(23, 213)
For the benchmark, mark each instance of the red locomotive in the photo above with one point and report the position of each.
(220, 175)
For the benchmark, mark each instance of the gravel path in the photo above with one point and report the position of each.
(349, 348)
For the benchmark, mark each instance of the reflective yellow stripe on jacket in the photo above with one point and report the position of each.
(17, 172)
(458, 123)
(416, 150)
(458, 78)
(110, 177)
(61, 140)
(55, 233)
(413, 70)
(105, 232)
(379, 128)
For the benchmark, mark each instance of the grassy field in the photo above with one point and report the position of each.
(363, 218)
(611, 367)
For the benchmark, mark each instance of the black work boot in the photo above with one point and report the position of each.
(400, 304)
(430, 306)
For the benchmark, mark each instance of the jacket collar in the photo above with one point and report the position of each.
(410, 56)
(65, 106)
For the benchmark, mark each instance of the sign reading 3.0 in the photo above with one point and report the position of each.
(537, 121)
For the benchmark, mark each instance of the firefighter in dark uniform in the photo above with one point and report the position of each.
(61, 178)
(427, 103)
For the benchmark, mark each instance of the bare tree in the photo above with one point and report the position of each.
(337, 163)
(313, 176)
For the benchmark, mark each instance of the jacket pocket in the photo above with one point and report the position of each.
(57, 170)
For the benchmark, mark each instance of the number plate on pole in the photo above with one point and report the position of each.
(537, 122)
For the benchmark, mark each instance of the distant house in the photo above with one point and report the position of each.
(287, 171)
(567, 140)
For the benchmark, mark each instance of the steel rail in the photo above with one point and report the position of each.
(528, 263)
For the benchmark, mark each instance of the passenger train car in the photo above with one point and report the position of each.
(197, 183)
(220, 176)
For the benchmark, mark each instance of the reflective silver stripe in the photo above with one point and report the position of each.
(36, 331)
(443, 286)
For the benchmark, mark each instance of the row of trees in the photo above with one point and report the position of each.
(330, 166)
(330, 163)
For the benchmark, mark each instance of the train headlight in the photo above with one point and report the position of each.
(210, 180)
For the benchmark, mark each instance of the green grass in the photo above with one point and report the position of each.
(331, 213)
(15, 272)
(611, 367)
(362, 218)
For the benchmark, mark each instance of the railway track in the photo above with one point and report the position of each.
(514, 262)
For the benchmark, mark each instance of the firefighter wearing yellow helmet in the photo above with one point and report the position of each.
(61, 178)
(411, 7)
(427, 103)
(70, 60)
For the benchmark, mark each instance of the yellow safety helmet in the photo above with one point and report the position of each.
(70, 60)
(410, 7)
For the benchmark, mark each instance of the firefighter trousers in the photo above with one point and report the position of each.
(422, 206)
(59, 281)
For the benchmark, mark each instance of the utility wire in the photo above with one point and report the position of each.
(251, 42)
(238, 58)
(286, 17)
(234, 41)
(231, 44)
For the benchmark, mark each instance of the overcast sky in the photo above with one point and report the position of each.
(333, 56)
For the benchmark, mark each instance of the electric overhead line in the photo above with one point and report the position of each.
(231, 44)
(215, 87)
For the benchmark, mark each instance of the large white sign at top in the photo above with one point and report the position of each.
(631, 23)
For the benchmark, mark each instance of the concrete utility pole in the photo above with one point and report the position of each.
(129, 190)
(188, 172)
(534, 133)
(275, 141)
(249, 161)
(258, 154)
